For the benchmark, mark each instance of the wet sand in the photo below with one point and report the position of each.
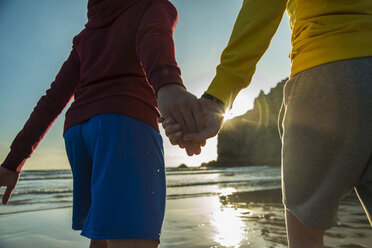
(245, 219)
(352, 229)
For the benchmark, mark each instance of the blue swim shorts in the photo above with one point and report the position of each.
(118, 172)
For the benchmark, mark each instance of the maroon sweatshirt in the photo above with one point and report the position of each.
(117, 64)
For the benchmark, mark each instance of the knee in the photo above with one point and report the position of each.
(300, 235)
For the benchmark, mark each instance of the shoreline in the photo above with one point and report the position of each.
(206, 221)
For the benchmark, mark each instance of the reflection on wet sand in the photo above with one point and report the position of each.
(229, 226)
(258, 196)
(259, 215)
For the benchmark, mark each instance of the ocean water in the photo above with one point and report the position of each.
(51, 189)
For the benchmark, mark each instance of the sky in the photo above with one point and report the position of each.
(36, 38)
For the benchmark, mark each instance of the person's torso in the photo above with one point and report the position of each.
(112, 79)
(329, 30)
(109, 65)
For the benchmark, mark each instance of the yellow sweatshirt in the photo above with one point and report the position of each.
(322, 31)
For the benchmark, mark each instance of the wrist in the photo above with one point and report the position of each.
(215, 100)
(7, 171)
(169, 87)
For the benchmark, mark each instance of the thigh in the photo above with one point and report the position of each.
(327, 138)
(128, 179)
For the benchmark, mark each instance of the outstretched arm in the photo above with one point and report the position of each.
(44, 114)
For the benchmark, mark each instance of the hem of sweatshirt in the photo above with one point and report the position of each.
(124, 105)
(330, 49)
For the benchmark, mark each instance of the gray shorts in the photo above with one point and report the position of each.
(326, 129)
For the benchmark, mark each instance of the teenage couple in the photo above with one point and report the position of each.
(122, 66)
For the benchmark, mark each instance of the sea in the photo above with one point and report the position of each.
(52, 189)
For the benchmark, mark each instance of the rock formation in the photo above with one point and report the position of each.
(252, 138)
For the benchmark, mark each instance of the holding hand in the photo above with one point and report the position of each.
(213, 113)
(182, 109)
(9, 179)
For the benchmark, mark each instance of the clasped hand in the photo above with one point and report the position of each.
(188, 121)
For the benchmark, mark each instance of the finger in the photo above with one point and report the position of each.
(189, 121)
(171, 129)
(198, 116)
(196, 149)
(193, 149)
(167, 122)
(203, 143)
(181, 144)
(199, 137)
(7, 194)
(175, 138)
(189, 150)
(178, 118)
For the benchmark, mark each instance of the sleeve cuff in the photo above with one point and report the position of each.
(165, 75)
(225, 87)
(14, 162)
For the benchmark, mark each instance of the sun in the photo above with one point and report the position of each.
(241, 105)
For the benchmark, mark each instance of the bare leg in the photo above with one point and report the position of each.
(301, 236)
(132, 243)
(98, 243)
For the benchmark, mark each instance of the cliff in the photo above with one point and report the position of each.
(252, 138)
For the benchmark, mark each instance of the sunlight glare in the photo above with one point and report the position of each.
(241, 105)
(230, 228)
(227, 191)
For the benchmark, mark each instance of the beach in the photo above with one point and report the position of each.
(205, 208)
